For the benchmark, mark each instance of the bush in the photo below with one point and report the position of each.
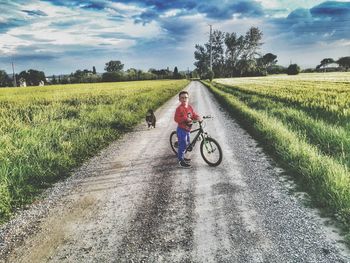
(276, 69)
(293, 69)
(208, 75)
(112, 76)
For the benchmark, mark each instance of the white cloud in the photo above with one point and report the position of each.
(129, 9)
(88, 26)
(170, 13)
(9, 44)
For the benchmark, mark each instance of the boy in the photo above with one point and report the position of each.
(184, 116)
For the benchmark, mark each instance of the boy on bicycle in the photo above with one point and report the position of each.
(184, 116)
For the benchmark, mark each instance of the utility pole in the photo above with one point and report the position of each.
(211, 59)
(14, 75)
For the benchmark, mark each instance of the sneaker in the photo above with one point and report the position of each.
(187, 160)
(183, 164)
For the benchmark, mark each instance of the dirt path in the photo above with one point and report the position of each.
(134, 204)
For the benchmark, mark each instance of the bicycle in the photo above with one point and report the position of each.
(210, 149)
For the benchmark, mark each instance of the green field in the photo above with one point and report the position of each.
(47, 131)
(305, 121)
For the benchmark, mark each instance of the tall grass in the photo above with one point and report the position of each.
(310, 144)
(331, 139)
(47, 131)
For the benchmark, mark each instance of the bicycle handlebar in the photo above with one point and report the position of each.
(207, 117)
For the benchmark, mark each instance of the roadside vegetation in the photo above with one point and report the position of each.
(305, 121)
(47, 131)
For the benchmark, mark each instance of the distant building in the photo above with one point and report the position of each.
(22, 82)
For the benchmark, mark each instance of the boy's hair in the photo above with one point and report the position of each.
(183, 92)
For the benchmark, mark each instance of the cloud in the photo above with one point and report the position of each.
(11, 23)
(332, 9)
(94, 5)
(65, 24)
(328, 21)
(147, 31)
(34, 12)
(146, 17)
(300, 14)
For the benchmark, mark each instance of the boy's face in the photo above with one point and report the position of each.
(183, 98)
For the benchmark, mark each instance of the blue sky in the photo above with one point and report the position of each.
(61, 36)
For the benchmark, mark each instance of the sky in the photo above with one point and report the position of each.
(62, 36)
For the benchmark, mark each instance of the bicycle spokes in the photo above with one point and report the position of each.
(209, 146)
(211, 151)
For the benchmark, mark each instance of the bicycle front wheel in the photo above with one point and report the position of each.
(211, 152)
(173, 142)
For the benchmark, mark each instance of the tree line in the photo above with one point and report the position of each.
(234, 55)
(113, 72)
(343, 63)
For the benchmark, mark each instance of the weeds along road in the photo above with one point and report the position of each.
(132, 203)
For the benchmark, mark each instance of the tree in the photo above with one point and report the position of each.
(217, 47)
(114, 66)
(247, 67)
(325, 62)
(202, 56)
(131, 74)
(252, 41)
(344, 62)
(234, 48)
(93, 70)
(265, 62)
(32, 77)
(239, 57)
(5, 80)
(176, 73)
(293, 69)
(54, 80)
(269, 59)
(112, 76)
(276, 69)
(162, 73)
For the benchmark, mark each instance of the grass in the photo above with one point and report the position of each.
(305, 122)
(48, 131)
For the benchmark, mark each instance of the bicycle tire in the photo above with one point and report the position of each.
(174, 142)
(207, 148)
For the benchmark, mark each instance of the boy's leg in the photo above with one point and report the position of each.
(188, 141)
(188, 138)
(182, 140)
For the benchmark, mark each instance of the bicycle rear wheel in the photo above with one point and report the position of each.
(211, 152)
(173, 142)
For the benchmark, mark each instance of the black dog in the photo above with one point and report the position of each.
(151, 119)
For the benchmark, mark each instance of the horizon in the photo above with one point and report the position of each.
(59, 37)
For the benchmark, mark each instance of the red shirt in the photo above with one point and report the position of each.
(182, 113)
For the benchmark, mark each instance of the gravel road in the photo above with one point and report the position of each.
(133, 203)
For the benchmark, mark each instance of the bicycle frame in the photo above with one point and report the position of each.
(195, 139)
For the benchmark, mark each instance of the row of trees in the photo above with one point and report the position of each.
(29, 77)
(343, 62)
(113, 72)
(233, 55)
(237, 55)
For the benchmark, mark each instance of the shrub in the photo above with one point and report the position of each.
(293, 69)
